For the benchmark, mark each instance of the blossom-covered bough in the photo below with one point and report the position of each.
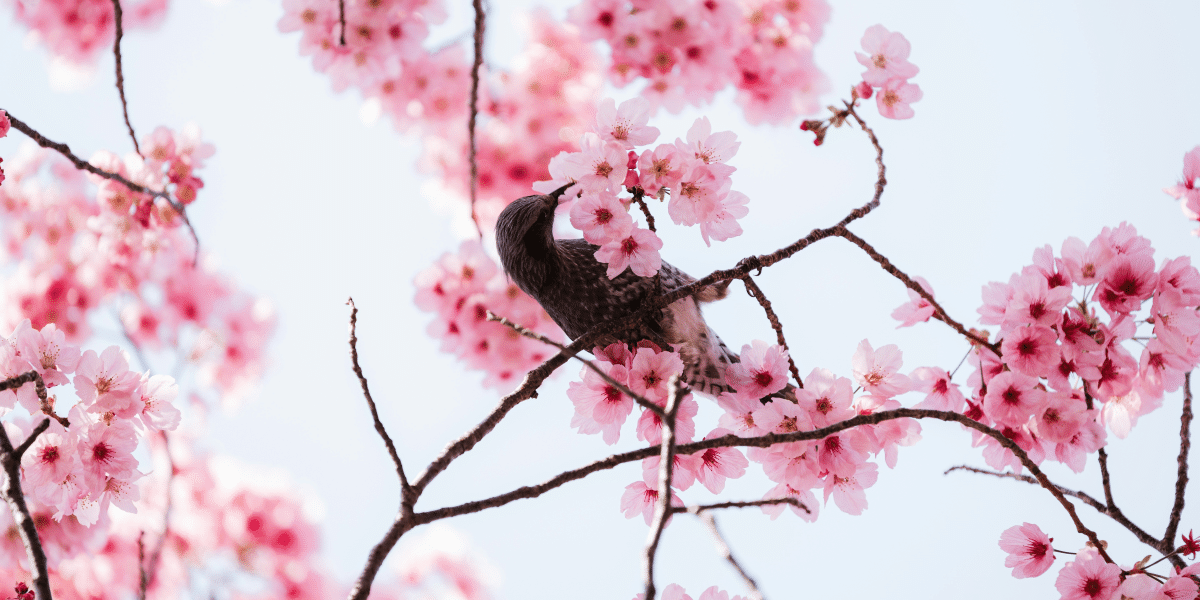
(1048, 385)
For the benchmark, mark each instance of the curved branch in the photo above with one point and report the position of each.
(474, 110)
(10, 460)
(117, 18)
(1185, 445)
(362, 380)
(83, 165)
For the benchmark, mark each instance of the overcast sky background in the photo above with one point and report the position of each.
(1041, 120)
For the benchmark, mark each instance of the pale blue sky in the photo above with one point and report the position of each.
(1041, 120)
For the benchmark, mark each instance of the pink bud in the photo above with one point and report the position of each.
(864, 90)
(631, 164)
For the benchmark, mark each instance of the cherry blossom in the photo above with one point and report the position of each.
(877, 371)
(917, 309)
(638, 251)
(627, 124)
(1088, 577)
(894, 97)
(761, 372)
(601, 217)
(1029, 551)
(886, 58)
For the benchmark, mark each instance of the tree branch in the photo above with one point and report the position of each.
(940, 313)
(83, 165)
(1185, 445)
(755, 292)
(727, 554)
(474, 113)
(10, 460)
(666, 469)
(405, 490)
(117, 17)
(529, 333)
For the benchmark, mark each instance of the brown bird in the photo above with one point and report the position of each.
(573, 287)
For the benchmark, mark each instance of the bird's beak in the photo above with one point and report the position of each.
(556, 194)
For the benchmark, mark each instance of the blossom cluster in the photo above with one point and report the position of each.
(761, 403)
(81, 466)
(688, 51)
(80, 30)
(1089, 576)
(693, 172)
(1063, 374)
(460, 289)
(222, 526)
(888, 72)
(1187, 191)
(83, 250)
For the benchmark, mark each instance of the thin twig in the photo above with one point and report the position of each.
(939, 312)
(1113, 513)
(362, 380)
(727, 554)
(83, 165)
(10, 461)
(624, 389)
(666, 464)
(117, 16)
(474, 113)
(698, 508)
(638, 194)
(342, 22)
(757, 293)
(1185, 445)
(143, 578)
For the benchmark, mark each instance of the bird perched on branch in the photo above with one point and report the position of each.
(573, 287)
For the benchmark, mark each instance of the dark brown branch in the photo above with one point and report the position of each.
(10, 461)
(698, 508)
(638, 196)
(342, 23)
(533, 335)
(666, 470)
(39, 387)
(474, 113)
(939, 312)
(83, 165)
(757, 293)
(362, 380)
(117, 16)
(1113, 513)
(880, 179)
(1185, 445)
(764, 441)
(725, 552)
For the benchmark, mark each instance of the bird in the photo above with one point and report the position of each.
(573, 287)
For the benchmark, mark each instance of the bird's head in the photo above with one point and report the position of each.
(525, 239)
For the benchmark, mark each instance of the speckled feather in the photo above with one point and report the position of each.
(574, 289)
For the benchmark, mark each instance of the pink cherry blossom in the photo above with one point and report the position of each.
(849, 493)
(1086, 264)
(877, 371)
(1012, 398)
(827, 398)
(739, 413)
(804, 496)
(641, 498)
(715, 593)
(715, 465)
(1031, 350)
(649, 426)
(105, 383)
(887, 56)
(707, 147)
(638, 251)
(1179, 275)
(684, 468)
(604, 160)
(721, 223)
(158, 393)
(1127, 281)
(895, 96)
(761, 372)
(1029, 551)
(943, 394)
(917, 309)
(626, 124)
(1062, 417)
(1188, 188)
(4, 124)
(107, 450)
(1088, 577)
(698, 195)
(660, 168)
(601, 217)
(1034, 302)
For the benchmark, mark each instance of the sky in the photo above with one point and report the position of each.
(1040, 121)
